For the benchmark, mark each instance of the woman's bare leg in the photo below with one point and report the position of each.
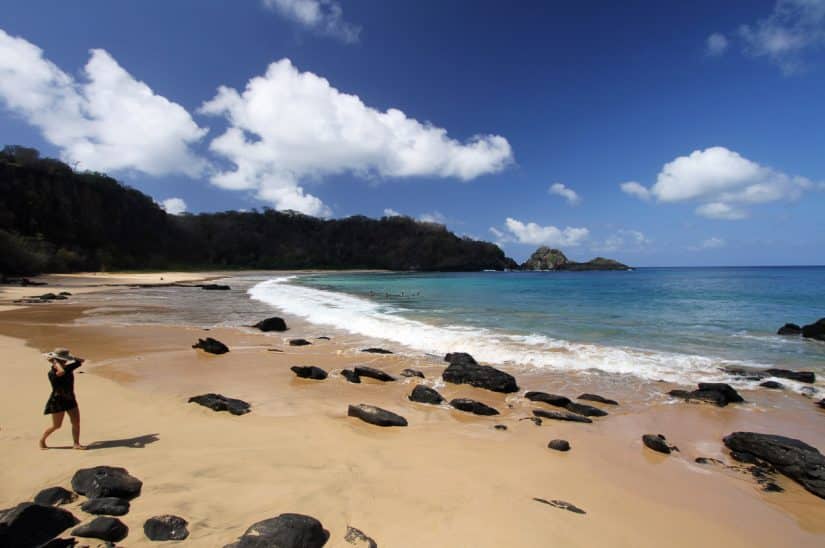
(74, 416)
(57, 422)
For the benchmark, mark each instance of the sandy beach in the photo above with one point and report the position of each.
(448, 479)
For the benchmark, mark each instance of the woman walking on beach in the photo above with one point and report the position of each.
(62, 399)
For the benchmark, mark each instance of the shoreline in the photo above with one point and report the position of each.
(433, 483)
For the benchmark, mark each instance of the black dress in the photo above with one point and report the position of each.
(62, 398)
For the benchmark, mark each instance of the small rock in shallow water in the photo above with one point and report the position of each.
(376, 351)
(299, 342)
(103, 528)
(217, 402)
(29, 524)
(412, 373)
(658, 443)
(376, 415)
(425, 394)
(54, 496)
(351, 376)
(271, 324)
(597, 398)
(561, 504)
(284, 531)
(772, 384)
(212, 346)
(106, 481)
(472, 406)
(166, 528)
(799, 376)
(309, 372)
(373, 373)
(559, 445)
(358, 538)
(560, 416)
(106, 506)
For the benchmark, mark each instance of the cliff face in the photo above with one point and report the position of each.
(545, 258)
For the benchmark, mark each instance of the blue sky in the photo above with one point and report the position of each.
(657, 133)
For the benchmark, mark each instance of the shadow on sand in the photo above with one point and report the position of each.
(138, 442)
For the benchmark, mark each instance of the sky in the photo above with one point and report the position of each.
(655, 133)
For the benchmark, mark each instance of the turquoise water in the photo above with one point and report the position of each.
(671, 323)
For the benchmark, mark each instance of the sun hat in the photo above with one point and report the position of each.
(61, 354)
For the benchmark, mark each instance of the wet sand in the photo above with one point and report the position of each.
(448, 479)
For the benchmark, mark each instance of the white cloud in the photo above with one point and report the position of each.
(710, 243)
(722, 211)
(794, 28)
(723, 181)
(173, 206)
(716, 44)
(534, 234)
(635, 189)
(322, 16)
(389, 212)
(288, 127)
(434, 217)
(565, 192)
(108, 121)
(624, 240)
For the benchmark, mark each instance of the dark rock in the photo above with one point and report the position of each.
(746, 374)
(351, 376)
(772, 384)
(104, 528)
(545, 258)
(597, 398)
(747, 458)
(299, 342)
(535, 420)
(789, 329)
(799, 376)
(65, 294)
(217, 402)
(377, 351)
(821, 403)
(412, 373)
(586, 410)
(500, 427)
(463, 369)
(657, 442)
(323, 338)
(284, 531)
(271, 324)
(51, 297)
(372, 373)
(54, 496)
(166, 528)
(560, 416)
(717, 393)
(472, 406)
(815, 330)
(771, 487)
(793, 458)
(376, 415)
(550, 399)
(106, 506)
(213, 346)
(309, 372)
(559, 445)
(425, 394)
(214, 287)
(561, 505)
(359, 538)
(29, 524)
(106, 481)
(707, 460)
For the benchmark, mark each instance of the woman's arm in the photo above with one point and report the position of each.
(74, 365)
(58, 368)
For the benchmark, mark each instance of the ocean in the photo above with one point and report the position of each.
(674, 324)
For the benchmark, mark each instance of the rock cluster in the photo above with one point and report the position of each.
(463, 369)
(814, 330)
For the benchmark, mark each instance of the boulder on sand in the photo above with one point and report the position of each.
(550, 399)
(799, 376)
(284, 531)
(598, 399)
(299, 342)
(815, 330)
(271, 324)
(559, 445)
(717, 393)
(106, 481)
(377, 351)
(218, 402)
(586, 410)
(30, 524)
(463, 369)
(560, 416)
(658, 443)
(425, 394)
(796, 459)
(106, 506)
(772, 384)
(412, 373)
(166, 527)
(472, 406)
(351, 376)
(375, 415)
(54, 496)
(309, 372)
(372, 373)
(103, 528)
(214, 287)
(213, 346)
(789, 329)
(357, 537)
